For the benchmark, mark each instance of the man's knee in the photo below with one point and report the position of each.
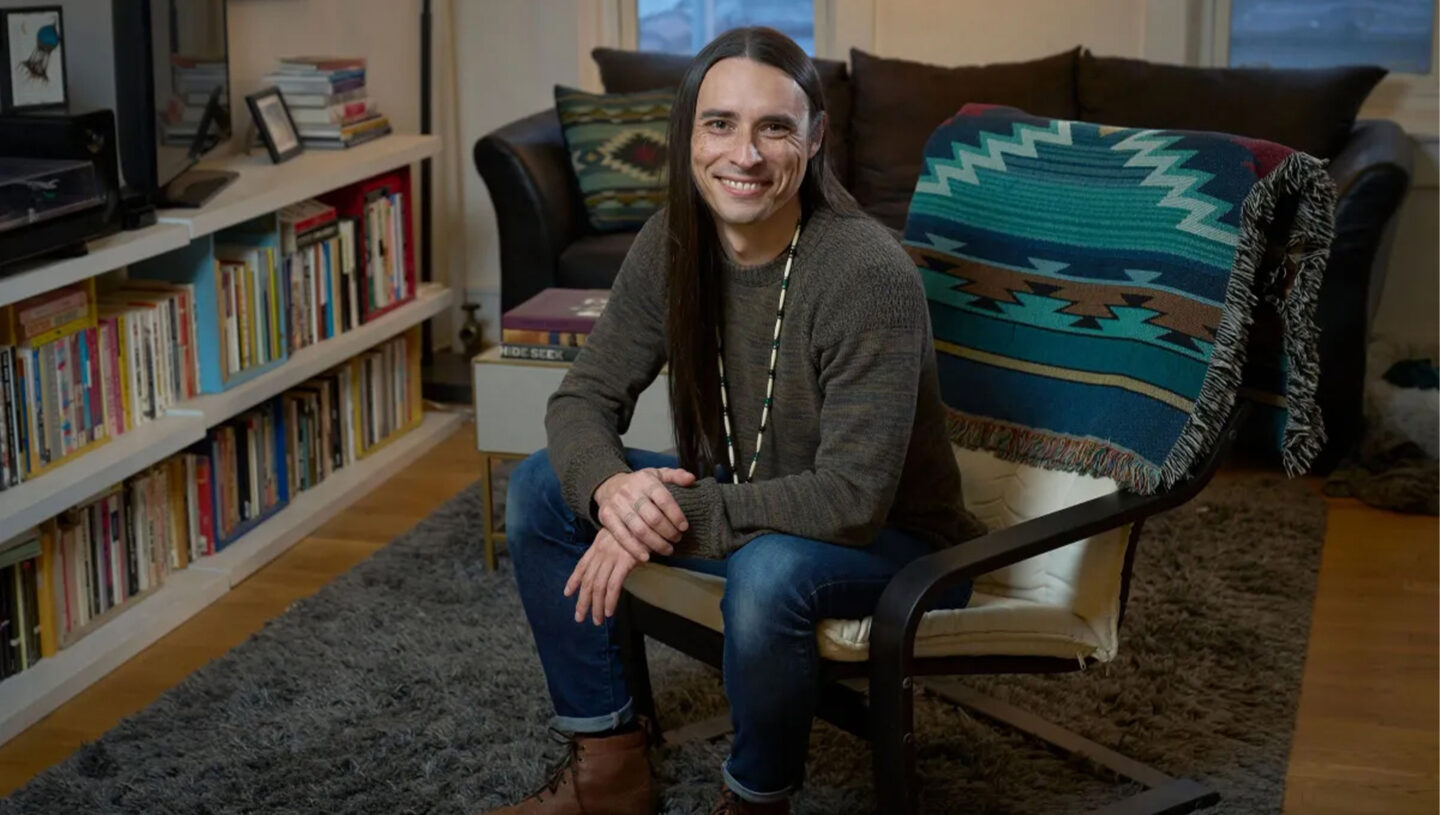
(532, 497)
(767, 590)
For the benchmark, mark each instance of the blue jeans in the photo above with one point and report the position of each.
(778, 587)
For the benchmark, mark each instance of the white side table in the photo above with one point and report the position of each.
(510, 398)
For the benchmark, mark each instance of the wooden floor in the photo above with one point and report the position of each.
(1365, 740)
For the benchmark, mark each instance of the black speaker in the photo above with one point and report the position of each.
(87, 136)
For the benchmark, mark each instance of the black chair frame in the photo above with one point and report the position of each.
(885, 714)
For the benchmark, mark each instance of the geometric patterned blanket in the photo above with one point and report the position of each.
(1092, 289)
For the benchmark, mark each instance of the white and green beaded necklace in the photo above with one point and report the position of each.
(770, 377)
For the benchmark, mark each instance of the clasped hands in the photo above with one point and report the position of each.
(638, 516)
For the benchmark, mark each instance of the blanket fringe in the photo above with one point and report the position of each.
(1053, 451)
(1308, 242)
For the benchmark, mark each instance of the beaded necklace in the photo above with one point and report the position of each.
(770, 377)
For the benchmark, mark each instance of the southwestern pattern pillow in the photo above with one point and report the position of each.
(617, 147)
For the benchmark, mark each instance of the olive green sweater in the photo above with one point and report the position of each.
(857, 436)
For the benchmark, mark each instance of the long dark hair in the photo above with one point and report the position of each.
(693, 308)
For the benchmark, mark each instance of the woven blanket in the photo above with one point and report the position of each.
(1092, 289)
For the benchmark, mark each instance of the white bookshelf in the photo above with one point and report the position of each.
(39, 499)
(265, 187)
(307, 511)
(262, 187)
(30, 695)
(430, 299)
(105, 254)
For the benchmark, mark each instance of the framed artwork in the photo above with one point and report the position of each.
(32, 43)
(273, 120)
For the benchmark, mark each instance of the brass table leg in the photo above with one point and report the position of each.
(487, 487)
(492, 537)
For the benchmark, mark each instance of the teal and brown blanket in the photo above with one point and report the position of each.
(1092, 288)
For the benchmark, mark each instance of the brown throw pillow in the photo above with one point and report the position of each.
(899, 103)
(632, 71)
(1309, 109)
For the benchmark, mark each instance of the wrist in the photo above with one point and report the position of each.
(602, 491)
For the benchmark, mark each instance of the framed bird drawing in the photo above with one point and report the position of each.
(32, 44)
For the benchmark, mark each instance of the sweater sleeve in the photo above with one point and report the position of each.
(595, 402)
(869, 377)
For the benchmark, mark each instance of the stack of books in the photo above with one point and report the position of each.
(552, 325)
(192, 81)
(328, 101)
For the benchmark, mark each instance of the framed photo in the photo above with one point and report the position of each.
(277, 128)
(32, 43)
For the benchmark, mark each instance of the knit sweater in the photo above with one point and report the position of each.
(856, 439)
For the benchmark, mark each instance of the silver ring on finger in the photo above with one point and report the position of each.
(638, 502)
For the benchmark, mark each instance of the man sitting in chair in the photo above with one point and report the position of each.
(802, 375)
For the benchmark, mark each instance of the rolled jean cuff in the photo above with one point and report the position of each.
(595, 724)
(749, 794)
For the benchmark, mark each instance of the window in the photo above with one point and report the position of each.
(685, 26)
(1318, 33)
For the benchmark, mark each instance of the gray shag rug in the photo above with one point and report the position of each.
(410, 685)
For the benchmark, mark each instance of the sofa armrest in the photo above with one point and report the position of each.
(525, 167)
(1372, 174)
(1375, 146)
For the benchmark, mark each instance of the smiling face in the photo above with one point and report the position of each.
(751, 140)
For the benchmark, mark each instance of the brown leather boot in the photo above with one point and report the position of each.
(732, 804)
(597, 776)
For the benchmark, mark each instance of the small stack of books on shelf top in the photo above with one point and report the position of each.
(552, 325)
(328, 101)
(193, 80)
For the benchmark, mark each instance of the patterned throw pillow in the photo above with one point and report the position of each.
(617, 147)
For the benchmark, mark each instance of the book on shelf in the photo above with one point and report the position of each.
(572, 311)
(319, 276)
(318, 83)
(251, 290)
(62, 580)
(327, 137)
(383, 261)
(337, 115)
(110, 550)
(51, 398)
(21, 628)
(319, 64)
(302, 101)
(539, 353)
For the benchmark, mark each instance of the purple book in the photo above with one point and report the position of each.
(573, 310)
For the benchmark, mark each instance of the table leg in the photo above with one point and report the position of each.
(488, 495)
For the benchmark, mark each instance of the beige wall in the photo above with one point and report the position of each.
(510, 54)
(968, 32)
(1409, 309)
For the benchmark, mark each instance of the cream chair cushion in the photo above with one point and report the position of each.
(1065, 603)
